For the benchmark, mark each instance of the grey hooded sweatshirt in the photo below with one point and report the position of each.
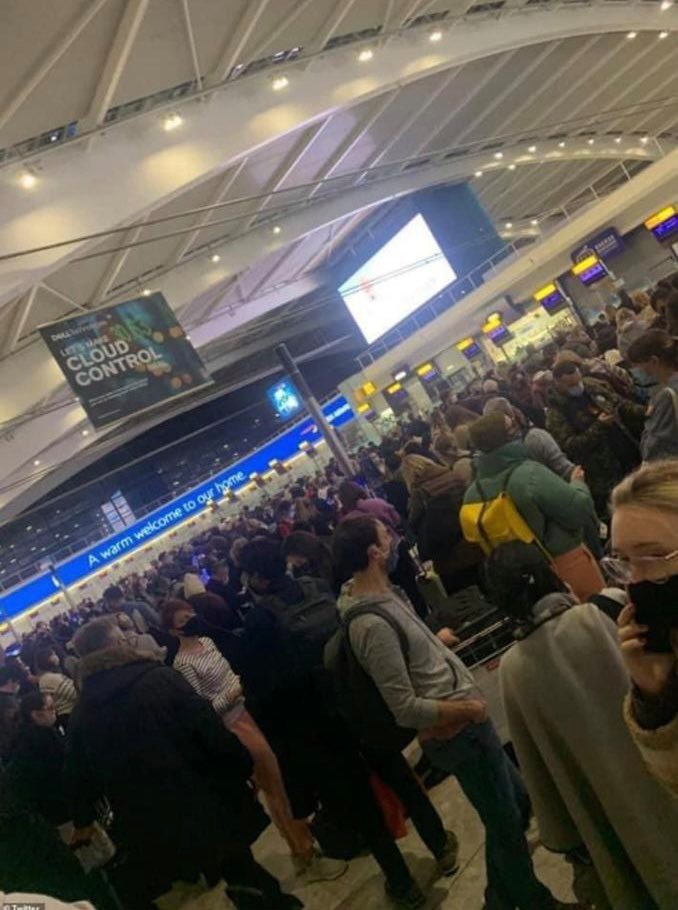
(432, 673)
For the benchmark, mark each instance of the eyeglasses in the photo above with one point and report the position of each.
(619, 569)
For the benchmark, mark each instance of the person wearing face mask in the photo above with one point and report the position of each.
(595, 428)
(282, 669)
(51, 681)
(429, 690)
(656, 354)
(209, 673)
(403, 571)
(563, 684)
(645, 539)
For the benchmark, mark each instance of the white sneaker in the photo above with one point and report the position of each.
(318, 868)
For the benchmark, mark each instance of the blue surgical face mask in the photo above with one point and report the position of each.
(642, 377)
(576, 391)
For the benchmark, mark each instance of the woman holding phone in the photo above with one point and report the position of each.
(645, 539)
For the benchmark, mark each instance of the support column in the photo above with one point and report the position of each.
(327, 431)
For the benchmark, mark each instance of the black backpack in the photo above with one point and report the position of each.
(305, 627)
(359, 701)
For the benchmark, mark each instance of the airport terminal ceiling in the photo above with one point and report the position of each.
(240, 147)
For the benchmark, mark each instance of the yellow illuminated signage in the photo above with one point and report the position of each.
(545, 292)
(369, 388)
(585, 264)
(392, 389)
(465, 343)
(362, 408)
(424, 369)
(660, 217)
(493, 321)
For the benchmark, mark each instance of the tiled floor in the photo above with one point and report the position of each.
(361, 888)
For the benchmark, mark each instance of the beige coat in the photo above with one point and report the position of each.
(564, 686)
(659, 747)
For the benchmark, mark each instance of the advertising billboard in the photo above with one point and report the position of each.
(285, 399)
(125, 358)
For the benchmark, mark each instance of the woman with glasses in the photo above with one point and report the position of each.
(563, 684)
(645, 540)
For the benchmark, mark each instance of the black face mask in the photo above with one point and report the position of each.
(303, 569)
(657, 608)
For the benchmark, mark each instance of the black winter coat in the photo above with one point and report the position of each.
(176, 779)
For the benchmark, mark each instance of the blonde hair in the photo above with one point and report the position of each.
(653, 486)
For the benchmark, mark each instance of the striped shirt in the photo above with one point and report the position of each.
(210, 674)
(61, 689)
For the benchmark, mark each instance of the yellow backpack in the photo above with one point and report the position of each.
(492, 522)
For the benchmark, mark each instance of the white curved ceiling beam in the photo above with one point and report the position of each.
(136, 166)
(199, 277)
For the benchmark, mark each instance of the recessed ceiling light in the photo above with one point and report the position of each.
(215, 257)
(663, 35)
(36, 462)
(532, 149)
(512, 167)
(591, 141)
(665, 4)
(618, 139)
(435, 35)
(365, 55)
(631, 35)
(561, 145)
(146, 292)
(498, 155)
(478, 174)
(534, 222)
(85, 432)
(172, 121)
(279, 83)
(644, 139)
(28, 180)
(508, 225)
(277, 229)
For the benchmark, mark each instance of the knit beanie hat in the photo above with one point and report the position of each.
(489, 433)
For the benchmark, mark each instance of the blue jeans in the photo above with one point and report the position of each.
(496, 791)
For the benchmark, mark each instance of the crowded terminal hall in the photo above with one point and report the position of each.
(339, 434)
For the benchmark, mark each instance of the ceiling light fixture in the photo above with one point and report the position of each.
(28, 179)
(666, 5)
(366, 55)
(561, 145)
(534, 222)
(172, 121)
(591, 141)
(663, 35)
(618, 140)
(478, 173)
(146, 292)
(435, 36)
(498, 155)
(644, 140)
(631, 35)
(215, 257)
(85, 432)
(277, 229)
(532, 149)
(36, 462)
(508, 225)
(279, 83)
(512, 167)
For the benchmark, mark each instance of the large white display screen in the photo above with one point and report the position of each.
(405, 273)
